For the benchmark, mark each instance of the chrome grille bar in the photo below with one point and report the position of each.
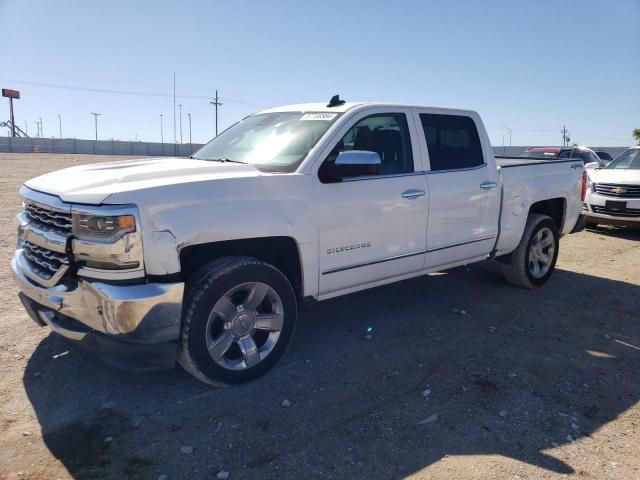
(59, 222)
(617, 190)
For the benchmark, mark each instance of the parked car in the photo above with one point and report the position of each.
(206, 260)
(604, 157)
(613, 192)
(583, 153)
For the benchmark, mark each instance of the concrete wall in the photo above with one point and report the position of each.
(515, 151)
(100, 147)
(143, 149)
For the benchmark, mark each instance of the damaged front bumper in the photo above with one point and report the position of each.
(132, 325)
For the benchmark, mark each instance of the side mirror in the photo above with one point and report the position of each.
(592, 166)
(354, 163)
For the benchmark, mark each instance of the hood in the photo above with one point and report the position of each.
(92, 184)
(618, 176)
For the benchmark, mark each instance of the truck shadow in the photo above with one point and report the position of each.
(382, 384)
(628, 233)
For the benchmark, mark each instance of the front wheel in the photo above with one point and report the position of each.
(239, 316)
(531, 264)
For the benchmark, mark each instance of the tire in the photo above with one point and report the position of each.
(520, 268)
(225, 315)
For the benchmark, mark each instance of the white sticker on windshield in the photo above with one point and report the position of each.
(319, 116)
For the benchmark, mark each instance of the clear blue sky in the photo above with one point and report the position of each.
(531, 65)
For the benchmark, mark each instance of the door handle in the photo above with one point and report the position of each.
(488, 185)
(411, 194)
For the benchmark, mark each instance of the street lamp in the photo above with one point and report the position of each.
(190, 144)
(509, 132)
(180, 107)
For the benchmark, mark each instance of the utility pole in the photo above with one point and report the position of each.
(565, 137)
(216, 103)
(95, 118)
(60, 124)
(190, 144)
(41, 129)
(180, 107)
(161, 133)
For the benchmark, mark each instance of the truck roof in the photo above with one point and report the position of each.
(322, 107)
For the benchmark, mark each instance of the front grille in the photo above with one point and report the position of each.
(44, 262)
(49, 220)
(629, 212)
(617, 190)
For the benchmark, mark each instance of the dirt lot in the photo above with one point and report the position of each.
(526, 384)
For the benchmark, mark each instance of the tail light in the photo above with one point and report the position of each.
(584, 185)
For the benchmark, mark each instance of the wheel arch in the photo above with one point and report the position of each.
(552, 207)
(280, 251)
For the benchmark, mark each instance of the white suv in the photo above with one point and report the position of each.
(613, 192)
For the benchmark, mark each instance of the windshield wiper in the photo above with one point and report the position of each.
(228, 160)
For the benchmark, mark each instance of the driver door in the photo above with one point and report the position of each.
(373, 227)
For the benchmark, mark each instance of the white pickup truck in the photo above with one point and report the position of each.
(206, 260)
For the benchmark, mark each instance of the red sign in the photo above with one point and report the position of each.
(6, 92)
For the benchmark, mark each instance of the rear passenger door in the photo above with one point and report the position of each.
(463, 189)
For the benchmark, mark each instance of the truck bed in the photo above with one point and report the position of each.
(539, 179)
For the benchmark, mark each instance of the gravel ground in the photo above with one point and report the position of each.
(523, 384)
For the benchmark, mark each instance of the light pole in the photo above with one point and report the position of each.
(190, 144)
(60, 124)
(161, 134)
(95, 118)
(41, 134)
(180, 107)
(509, 132)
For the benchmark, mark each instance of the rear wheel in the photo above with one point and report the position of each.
(531, 264)
(239, 316)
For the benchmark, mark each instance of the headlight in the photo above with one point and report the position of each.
(99, 228)
(107, 242)
(590, 184)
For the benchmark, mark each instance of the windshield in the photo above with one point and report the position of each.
(273, 141)
(629, 159)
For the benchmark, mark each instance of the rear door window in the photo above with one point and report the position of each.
(452, 140)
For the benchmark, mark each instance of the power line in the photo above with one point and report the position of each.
(273, 100)
(135, 92)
